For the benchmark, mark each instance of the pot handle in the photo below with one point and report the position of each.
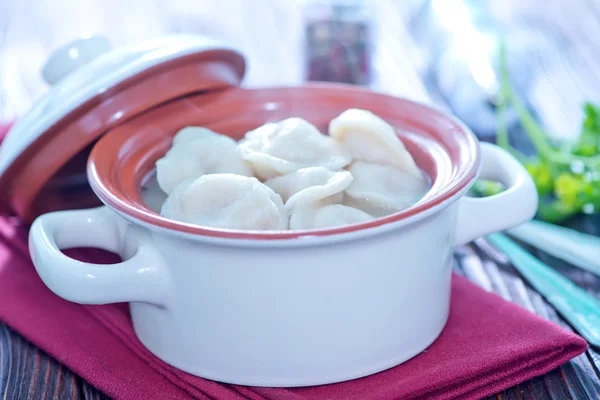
(517, 204)
(142, 277)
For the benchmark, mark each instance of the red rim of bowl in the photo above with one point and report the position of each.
(103, 178)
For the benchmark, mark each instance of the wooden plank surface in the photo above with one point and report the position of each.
(558, 66)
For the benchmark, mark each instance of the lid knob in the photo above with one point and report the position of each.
(72, 55)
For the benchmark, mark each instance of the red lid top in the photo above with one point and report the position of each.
(43, 157)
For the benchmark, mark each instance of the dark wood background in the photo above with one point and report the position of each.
(440, 51)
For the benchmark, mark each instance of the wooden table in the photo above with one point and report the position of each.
(559, 69)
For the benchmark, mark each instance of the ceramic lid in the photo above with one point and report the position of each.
(96, 88)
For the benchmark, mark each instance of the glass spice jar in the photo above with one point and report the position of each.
(338, 42)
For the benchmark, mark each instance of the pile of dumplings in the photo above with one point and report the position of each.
(288, 175)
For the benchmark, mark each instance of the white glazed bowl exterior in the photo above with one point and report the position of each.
(296, 316)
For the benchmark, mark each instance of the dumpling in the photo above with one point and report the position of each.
(314, 216)
(369, 138)
(192, 133)
(336, 215)
(290, 184)
(226, 201)
(382, 190)
(207, 154)
(280, 148)
(326, 193)
(311, 207)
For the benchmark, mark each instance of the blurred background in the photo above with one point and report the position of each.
(451, 44)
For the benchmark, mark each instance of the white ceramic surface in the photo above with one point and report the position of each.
(284, 312)
(73, 55)
(103, 69)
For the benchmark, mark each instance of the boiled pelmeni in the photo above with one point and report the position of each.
(369, 138)
(315, 216)
(382, 190)
(289, 184)
(304, 206)
(209, 154)
(337, 215)
(192, 133)
(226, 201)
(328, 192)
(280, 148)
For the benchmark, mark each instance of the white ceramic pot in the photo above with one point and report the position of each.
(281, 312)
(287, 308)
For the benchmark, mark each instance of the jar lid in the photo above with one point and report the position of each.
(95, 89)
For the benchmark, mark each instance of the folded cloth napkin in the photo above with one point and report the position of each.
(488, 344)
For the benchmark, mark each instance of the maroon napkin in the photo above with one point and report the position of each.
(488, 344)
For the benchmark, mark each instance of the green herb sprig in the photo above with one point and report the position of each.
(567, 177)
